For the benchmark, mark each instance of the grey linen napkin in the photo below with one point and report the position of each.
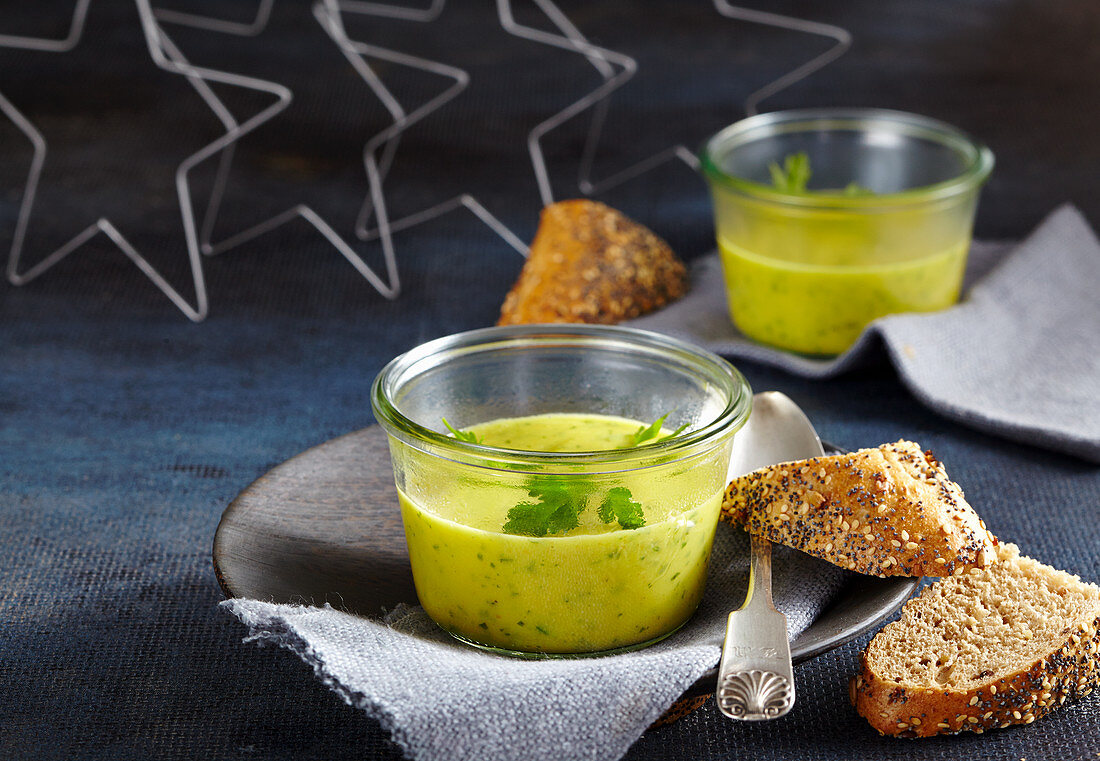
(443, 700)
(1019, 356)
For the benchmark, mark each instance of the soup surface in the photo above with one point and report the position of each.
(596, 586)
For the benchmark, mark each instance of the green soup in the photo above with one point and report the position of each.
(820, 307)
(594, 588)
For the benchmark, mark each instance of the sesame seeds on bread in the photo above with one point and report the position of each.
(995, 646)
(890, 511)
(589, 263)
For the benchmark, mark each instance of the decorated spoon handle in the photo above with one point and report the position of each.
(755, 677)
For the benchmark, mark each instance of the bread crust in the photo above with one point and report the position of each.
(589, 263)
(1059, 673)
(889, 511)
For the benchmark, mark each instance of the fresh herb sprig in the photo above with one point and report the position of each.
(855, 189)
(468, 436)
(619, 505)
(560, 503)
(561, 499)
(652, 431)
(794, 178)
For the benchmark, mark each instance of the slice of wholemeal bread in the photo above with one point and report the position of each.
(591, 263)
(996, 646)
(890, 511)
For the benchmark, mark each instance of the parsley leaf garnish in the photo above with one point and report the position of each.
(645, 433)
(469, 436)
(560, 502)
(561, 499)
(652, 431)
(619, 505)
(793, 176)
(855, 189)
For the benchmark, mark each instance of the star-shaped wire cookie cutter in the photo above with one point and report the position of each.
(378, 152)
(40, 146)
(166, 56)
(380, 149)
(388, 284)
(615, 69)
(616, 74)
(326, 13)
(212, 24)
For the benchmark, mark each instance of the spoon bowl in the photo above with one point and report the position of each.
(776, 431)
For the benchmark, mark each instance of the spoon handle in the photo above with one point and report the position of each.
(755, 676)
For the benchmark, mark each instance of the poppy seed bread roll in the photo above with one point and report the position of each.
(890, 511)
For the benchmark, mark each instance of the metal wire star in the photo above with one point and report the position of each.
(164, 54)
(378, 152)
(614, 79)
(615, 69)
(388, 284)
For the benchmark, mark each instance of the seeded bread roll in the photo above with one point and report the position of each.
(589, 263)
(890, 511)
(993, 647)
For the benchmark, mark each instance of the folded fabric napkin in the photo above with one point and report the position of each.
(440, 699)
(1019, 356)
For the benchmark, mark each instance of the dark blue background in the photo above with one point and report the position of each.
(125, 430)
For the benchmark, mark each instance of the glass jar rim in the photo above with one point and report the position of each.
(714, 368)
(979, 158)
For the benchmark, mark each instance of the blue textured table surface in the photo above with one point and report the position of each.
(125, 430)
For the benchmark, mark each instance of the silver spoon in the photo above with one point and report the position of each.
(755, 676)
